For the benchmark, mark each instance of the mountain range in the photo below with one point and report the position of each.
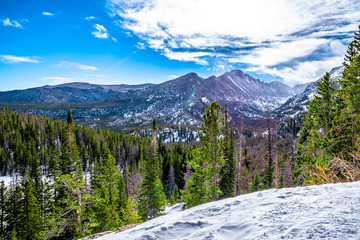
(299, 103)
(179, 101)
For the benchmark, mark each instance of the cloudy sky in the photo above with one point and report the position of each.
(138, 41)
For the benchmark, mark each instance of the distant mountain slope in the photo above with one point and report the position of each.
(179, 101)
(299, 103)
(183, 100)
(69, 93)
(312, 212)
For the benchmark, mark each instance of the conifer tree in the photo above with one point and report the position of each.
(346, 128)
(332, 125)
(130, 212)
(314, 137)
(106, 182)
(281, 181)
(72, 197)
(175, 195)
(203, 185)
(228, 170)
(152, 198)
(30, 217)
(270, 167)
(3, 206)
(13, 235)
(268, 175)
(122, 196)
(13, 209)
(255, 184)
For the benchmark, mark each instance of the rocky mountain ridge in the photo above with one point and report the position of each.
(181, 101)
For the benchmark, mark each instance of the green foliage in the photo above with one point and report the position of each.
(106, 187)
(197, 186)
(13, 234)
(13, 210)
(269, 175)
(130, 212)
(227, 172)
(69, 117)
(58, 156)
(314, 137)
(3, 206)
(281, 181)
(175, 197)
(256, 184)
(122, 197)
(203, 185)
(332, 125)
(152, 199)
(29, 215)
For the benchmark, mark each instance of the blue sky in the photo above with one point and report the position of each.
(139, 41)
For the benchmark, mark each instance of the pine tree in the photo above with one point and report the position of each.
(196, 192)
(13, 209)
(228, 171)
(130, 212)
(315, 136)
(269, 169)
(122, 197)
(281, 181)
(255, 184)
(346, 128)
(30, 217)
(268, 175)
(203, 185)
(212, 149)
(3, 206)
(175, 195)
(72, 196)
(106, 182)
(13, 235)
(152, 199)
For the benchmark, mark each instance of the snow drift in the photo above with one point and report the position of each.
(316, 212)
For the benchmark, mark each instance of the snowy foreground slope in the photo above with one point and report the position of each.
(317, 212)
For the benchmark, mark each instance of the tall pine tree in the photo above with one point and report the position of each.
(152, 198)
(228, 170)
(203, 185)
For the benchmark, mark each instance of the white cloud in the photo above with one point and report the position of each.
(100, 32)
(17, 59)
(140, 45)
(56, 78)
(66, 64)
(114, 39)
(282, 52)
(302, 72)
(96, 75)
(90, 18)
(173, 76)
(11, 23)
(188, 56)
(47, 14)
(257, 33)
(337, 47)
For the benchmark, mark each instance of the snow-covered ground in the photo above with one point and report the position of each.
(6, 179)
(317, 212)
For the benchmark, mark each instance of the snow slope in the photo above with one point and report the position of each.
(317, 212)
